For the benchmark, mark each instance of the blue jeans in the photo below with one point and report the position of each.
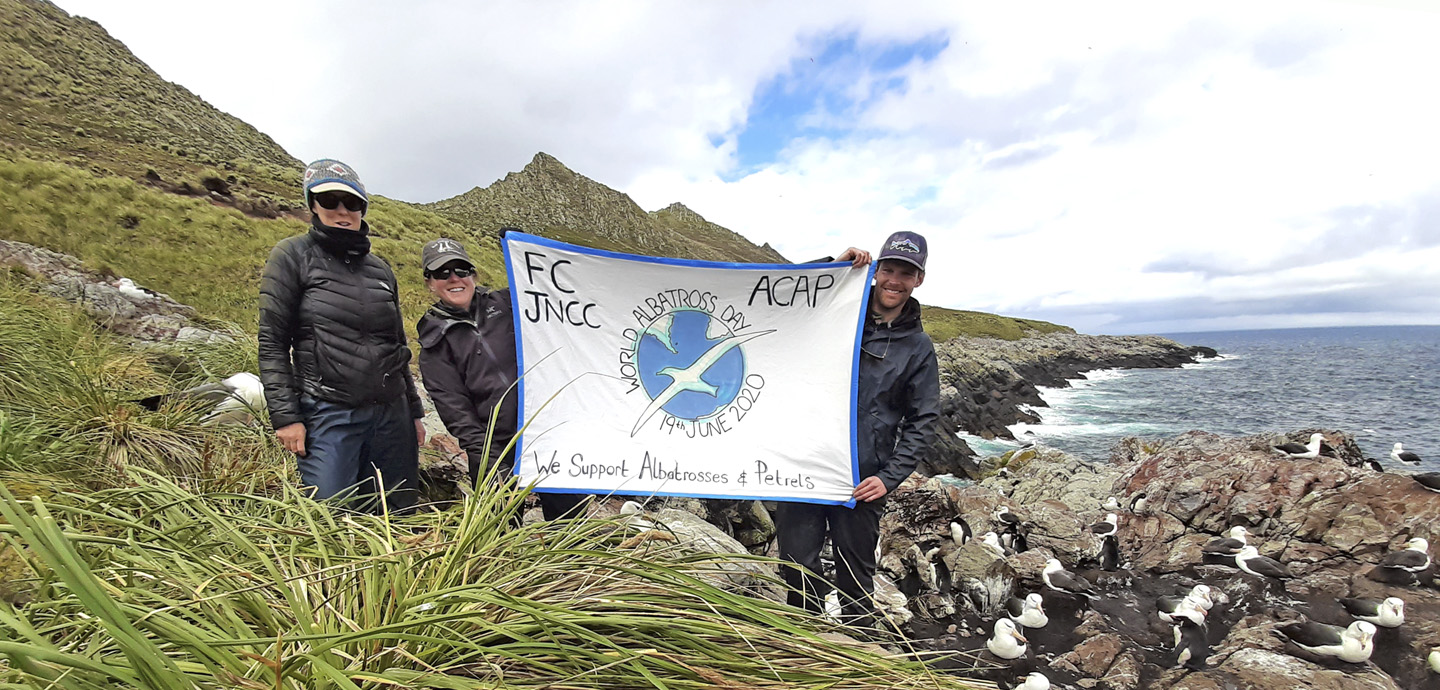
(346, 447)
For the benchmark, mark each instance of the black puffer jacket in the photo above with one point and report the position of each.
(330, 325)
(467, 363)
(899, 396)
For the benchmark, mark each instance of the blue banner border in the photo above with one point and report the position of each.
(692, 263)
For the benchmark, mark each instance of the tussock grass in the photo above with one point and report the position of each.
(66, 410)
(155, 586)
(145, 549)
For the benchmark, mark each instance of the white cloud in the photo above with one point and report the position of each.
(1057, 155)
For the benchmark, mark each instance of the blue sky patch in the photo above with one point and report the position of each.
(921, 196)
(819, 95)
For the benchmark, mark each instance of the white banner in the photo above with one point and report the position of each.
(648, 376)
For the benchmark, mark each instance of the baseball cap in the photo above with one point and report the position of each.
(439, 252)
(905, 246)
(330, 175)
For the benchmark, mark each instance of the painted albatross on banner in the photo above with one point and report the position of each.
(688, 379)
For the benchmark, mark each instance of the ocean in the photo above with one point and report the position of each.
(1381, 384)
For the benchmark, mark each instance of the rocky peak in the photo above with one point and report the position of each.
(547, 164)
(682, 212)
(680, 219)
(548, 198)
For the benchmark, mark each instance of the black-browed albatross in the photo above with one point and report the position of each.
(1250, 561)
(1399, 454)
(1296, 451)
(1061, 580)
(1389, 613)
(1353, 644)
(1414, 558)
(1228, 545)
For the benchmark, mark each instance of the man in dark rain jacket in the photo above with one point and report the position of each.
(898, 406)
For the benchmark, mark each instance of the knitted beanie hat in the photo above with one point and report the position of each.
(330, 175)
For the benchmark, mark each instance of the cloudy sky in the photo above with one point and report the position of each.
(1121, 168)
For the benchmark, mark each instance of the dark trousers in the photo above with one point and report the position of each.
(854, 534)
(552, 506)
(557, 506)
(346, 447)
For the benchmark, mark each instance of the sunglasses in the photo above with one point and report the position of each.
(444, 273)
(331, 200)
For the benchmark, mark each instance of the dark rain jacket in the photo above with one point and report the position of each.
(898, 397)
(467, 365)
(330, 325)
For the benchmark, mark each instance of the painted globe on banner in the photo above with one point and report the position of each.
(679, 349)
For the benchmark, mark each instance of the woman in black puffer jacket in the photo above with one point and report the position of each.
(333, 357)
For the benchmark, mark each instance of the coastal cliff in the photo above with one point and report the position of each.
(988, 384)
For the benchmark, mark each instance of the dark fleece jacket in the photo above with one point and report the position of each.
(467, 364)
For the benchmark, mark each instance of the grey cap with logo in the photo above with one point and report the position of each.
(439, 252)
(905, 246)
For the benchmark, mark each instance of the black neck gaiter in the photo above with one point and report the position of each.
(340, 240)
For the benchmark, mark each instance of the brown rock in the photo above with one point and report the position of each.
(443, 470)
(1314, 512)
(1182, 679)
(1264, 669)
(1030, 564)
(1124, 674)
(1063, 664)
(1095, 656)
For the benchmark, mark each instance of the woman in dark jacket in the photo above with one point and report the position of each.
(468, 366)
(333, 358)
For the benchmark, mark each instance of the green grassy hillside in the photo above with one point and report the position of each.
(102, 159)
(73, 94)
(200, 253)
(944, 324)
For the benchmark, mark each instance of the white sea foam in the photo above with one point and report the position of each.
(986, 448)
(1099, 375)
(1051, 430)
(1080, 410)
(1212, 362)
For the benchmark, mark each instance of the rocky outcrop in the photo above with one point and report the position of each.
(668, 529)
(987, 384)
(118, 305)
(747, 522)
(1328, 520)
